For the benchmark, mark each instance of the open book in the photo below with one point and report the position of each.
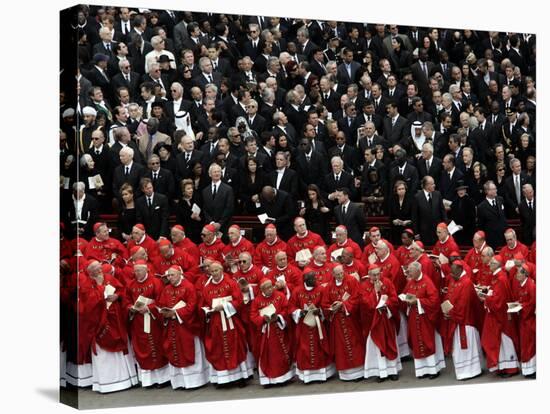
(336, 253)
(446, 306)
(179, 305)
(309, 319)
(345, 296)
(407, 296)
(195, 209)
(95, 182)
(453, 227)
(142, 301)
(303, 255)
(269, 310)
(221, 301)
(264, 217)
(109, 290)
(514, 307)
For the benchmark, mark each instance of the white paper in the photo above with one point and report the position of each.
(373, 258)
(514, 307)
(382, 302)
(303, 255)
(453, 227)
(195, 209)
(509, 264)
(446, 306)
(66, 182)
(309, 319)
(221, 301)
(109, 290)
(402, 297)
(262, 218)
(142, 301)
(336, 253)
(91, 183)
(258, 205)
(447, 203)
(345, 296)
(269, 310)
(179, 305)
(443, 259)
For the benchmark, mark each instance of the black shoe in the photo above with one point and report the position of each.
(379, 379)
(242, 383)
(504, 375)
(433, 376)
(532, 376)
(394, 377)
(358, 379)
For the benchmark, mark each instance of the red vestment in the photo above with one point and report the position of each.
(473, 257)
(310, 241)
(429, 270)
(225, 350)
(323, 272)
(391, 269)
(264, 254)
(422, 326)
(213, 250)
(369, 249)
(293, 276)
(147, 346)
(103, 251)
(243, 245)
(190, 248)
(179, 338)
(346, 341)
(445, 248)
(526, 295)
(148, 244)
(467, 310)
(403, 254)
(497, 319)
(508, 254)
(355, 267)
(179, 258)
(376, 322)
(311, 352)
(350, 244)
(275, 357)
(533, 253)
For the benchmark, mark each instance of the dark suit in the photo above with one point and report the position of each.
(421, 79)
(354, 220)
(289, 182)
(448, 187)
(219, 208)
(311, 172)
(259, 124)
(89, 214)
(528, 219)
(118, 81)
(155, 217)
(343, 76)
(349, 155)
(164, 184)
(201, 81)
(510, 200)
(136, 173)
(296, 117)
(283, 210)
(183, 170)
(426, 217)
(492, 221)
(137, 58)
(330, 185)
(410, 176)
(398, 132)
(436, 167)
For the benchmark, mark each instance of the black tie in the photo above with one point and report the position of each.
(391, 93)
(343, 210)
(155, 176)
(427, 166)
(326, 96)
(187, 156)
(308, 158)
(494, 204)
(127, 171)
(530, 205)
(449, 177)
(214, 191)
(108, 47)
(337, 179)
(430, 199)
(210, 78)
(149, 202)
(96, 152)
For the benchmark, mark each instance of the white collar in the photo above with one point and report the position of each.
(238, 241)
(385, 258)
(338, 283)
(308, 288)
(219, 281)
(304, 236)
(274, 241)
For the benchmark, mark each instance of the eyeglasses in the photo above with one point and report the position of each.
(95, 139)
(126, 67)
(156, 70)
(243, 261)
(154, 163)
(501, 169)
(203, 235)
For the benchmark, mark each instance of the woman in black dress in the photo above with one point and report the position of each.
(199, 177)
(167, 159)
(463, 212)
(316, 213)
(251, 183)
(400, 210)
(373, 194)
(479, 178)
(127, 213)
(191, 221)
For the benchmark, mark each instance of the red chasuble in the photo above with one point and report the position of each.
(275, 358)
(348, 243)
(264, 254)
(346, 341)
(148, 244)
(391, 269)
(214, 250)
(323, 272)
(526, 294)
(310, 241)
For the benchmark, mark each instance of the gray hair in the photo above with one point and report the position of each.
(122, 63)
(79, 186)
(127, 150)
(85, 159)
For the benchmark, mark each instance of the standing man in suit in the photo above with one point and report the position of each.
(278, 205)
(421, 73)
(218, 200)
(404, 170)
(152, 210)
(513, 185)
(427, 211)
(82, 213)
(350, 215)
(284, 178)
(127, 172)
(162, 178)
(148, 141)
(187, 158)
(528, 214)
(396, 127)
(127, 78)
(449, 178)
(491, 217)
(207, 74)
(348, 69)
(428, 164)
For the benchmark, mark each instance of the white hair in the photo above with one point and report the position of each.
(127, 150)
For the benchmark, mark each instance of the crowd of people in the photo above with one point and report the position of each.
(194, 118)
